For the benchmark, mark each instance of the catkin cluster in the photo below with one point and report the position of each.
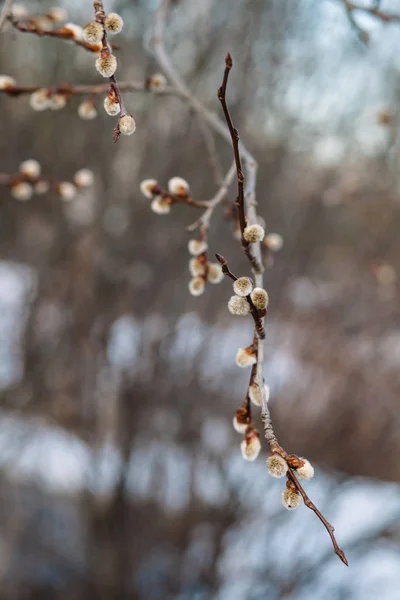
(278, 467)
(47, 21)
(106, 64)
(201, 270)
(161, 201)
(250, 446)
(29, 181)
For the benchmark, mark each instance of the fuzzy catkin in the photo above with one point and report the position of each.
(290, 499)
(277, 466)
(113, 23)
(111, 107)
(93, 32)
(242, 286)
(253, 234)
(106, 65)
(215, 274)
(238, 305)
(127, 125)
(178, 186)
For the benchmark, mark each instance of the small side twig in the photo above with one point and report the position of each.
(70, 89)
(204, 221)
(62, 33)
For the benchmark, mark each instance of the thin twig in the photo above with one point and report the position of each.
(211, 118)
(374, 11)
(256, 265)
(62, 33)
(330, 529)
(204, 221)
(82, 90)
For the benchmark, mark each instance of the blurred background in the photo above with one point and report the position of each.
(120, 473)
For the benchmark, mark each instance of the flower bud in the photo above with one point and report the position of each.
(259, 298)
(22, 191)
(6, 82)
(178, 186)
(42, 22)
(57, 101)
(18, 11)
(290, 498)
(246, 357)
(127, 124)
(113, 23)
(157, 82)
(57, 14)
(93, 32)
(83, 178)
(255, 393)
(106, 65)
(253, 234)
(40, 100)
(160, 206)
(306, 471)
(251, 445)
(196, 267)
(239, 426)
(196, 286)
(238, 305)
(214, 273)
(41, 187)
(76, 32)
(242, 286)
(30, 168)
(87, 110)
(277, 466)
(273, 241)
(67, 190)
(148, 187)
(111, 107)
(197, 247)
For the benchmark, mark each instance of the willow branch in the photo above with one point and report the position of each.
(82, 90)
(63, 33)
(258, 272)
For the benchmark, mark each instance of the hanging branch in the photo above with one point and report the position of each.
(285, 464)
